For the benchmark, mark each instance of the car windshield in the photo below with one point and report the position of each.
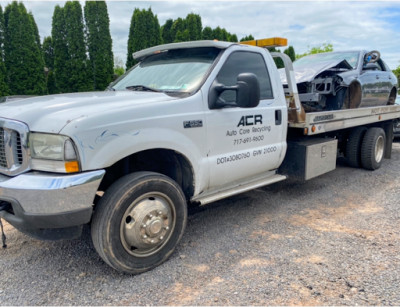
(351, 57)
(172, 71)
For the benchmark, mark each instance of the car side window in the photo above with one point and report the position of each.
(244, 62)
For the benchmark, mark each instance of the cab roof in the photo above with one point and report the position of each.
(184, 45)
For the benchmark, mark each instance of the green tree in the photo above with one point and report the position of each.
(71, 68)
(207, 34)
(233, 38)
(79, 68)
(194, 27)
(314, 50)
(23, 57)
(99, 43)
(177, 30)
(397, 73)
(166, 32)
(144, 32)
(290, 52)
(60, 51)
(4, 91)
(247, 38)
(48, 55)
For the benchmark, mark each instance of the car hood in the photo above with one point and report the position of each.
(307, 73)
(52, 113)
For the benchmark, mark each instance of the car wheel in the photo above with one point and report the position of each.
(336, 102)
(353, 146)
(373, 148)
(139, 221)
(392, 97)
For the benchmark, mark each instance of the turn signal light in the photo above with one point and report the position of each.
(71, 166)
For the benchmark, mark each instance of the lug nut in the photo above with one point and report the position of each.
(150, 216)
(144, 237)
(161, 238)
(166, 228)
(159, 212)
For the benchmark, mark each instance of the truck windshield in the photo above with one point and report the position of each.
(172, 71)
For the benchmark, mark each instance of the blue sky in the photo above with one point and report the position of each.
(344, 24)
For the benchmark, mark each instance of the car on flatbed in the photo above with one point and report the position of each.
(343, 80)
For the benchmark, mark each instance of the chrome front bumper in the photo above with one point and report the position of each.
(38, 200)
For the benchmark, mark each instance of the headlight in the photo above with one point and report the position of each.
(52, 152)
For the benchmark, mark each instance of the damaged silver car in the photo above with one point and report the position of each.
(343, 80)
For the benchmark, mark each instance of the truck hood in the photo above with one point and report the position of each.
(51, 113)
(307, 73)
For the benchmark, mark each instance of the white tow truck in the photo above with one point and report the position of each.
(191, 123)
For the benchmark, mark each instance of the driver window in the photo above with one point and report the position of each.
(244, 62)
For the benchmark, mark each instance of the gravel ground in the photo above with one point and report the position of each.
(334, 240)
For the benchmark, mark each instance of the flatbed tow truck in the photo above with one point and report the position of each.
(190, 124)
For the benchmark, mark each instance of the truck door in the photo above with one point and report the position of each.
(243, 142)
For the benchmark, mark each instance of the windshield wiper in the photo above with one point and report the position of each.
(141, 88)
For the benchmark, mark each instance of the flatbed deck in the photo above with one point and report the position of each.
(321, 122)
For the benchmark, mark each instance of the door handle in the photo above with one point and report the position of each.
(278, 117)
(377, 76)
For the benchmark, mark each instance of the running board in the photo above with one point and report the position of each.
(230, 191)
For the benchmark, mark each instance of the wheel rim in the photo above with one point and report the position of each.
(379, 148)
(147, 224)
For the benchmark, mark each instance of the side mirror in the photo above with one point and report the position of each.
(247, 92)
(371, 66)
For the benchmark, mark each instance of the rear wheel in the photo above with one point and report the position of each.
(353, 146)
(373, 148)
(139, 221)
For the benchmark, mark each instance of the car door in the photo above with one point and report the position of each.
(245, 141)
(375, 85)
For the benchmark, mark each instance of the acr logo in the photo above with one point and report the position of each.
(250, 120)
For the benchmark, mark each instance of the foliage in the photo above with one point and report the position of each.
(144, 32)
(79, 70)
(118, 67)
(290, 53)
(4, 91)
(22, 53)
(99, 43)
(166, 32)
(48, 55)
(397, 73)
(60, 50)
(207, 33)
(247, 38)
(71, 70)
(319, 49)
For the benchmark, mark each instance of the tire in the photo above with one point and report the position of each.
(353, 147)
(336, 102)
(345, 98)
(373, 148)
(139, 222)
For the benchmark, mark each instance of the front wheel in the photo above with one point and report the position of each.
(139, 221)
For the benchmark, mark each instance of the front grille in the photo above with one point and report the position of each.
(3, 159)
(13, 155)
